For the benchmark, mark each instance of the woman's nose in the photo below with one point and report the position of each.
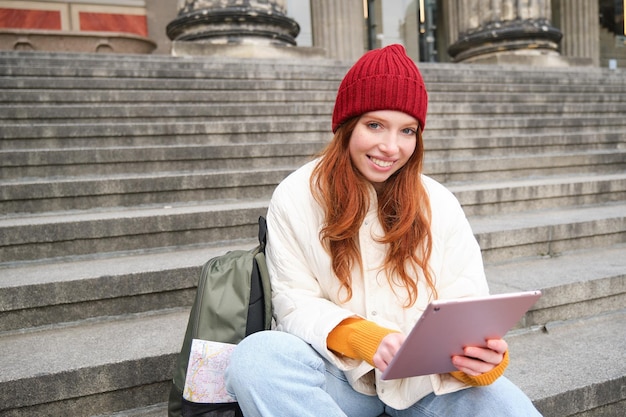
(389, 144)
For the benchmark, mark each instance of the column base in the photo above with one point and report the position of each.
(528, 37)
(527, 58)
(199, 48)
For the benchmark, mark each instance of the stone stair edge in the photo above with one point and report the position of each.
(253, 83)
(562, 278)
(49, 113)
(129, 129)
(202, 63)
(433, 143)
(509, 222)
(91, 267)
(164, 139)
(149, 210)
(262, 124)
(61, 58)
(105, 155)
(480, 189)
(481, 196)
(243, 96)
(480, 120)
(154, 410)
(478, 197)
(549, 232)
(172, 153)
(501, 236)
(436, 108)
(85, 232)
(440, 83)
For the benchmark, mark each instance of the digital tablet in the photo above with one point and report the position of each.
(447, 326)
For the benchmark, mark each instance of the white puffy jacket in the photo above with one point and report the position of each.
(306, 294)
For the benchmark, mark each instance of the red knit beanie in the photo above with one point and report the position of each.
(382, 79)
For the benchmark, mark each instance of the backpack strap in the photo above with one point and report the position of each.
(262, 232)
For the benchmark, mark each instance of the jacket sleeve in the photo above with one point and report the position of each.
(301, 305)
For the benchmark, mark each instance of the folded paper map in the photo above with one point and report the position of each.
(205, 373)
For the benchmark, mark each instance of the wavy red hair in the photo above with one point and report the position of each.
(403, 211)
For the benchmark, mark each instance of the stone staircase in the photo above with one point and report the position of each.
(120, 176)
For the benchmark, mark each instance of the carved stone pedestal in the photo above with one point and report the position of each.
(242, 28)
(507, 32)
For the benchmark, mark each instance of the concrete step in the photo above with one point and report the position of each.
(19, 96)
(516, 166)
(499, 197)
(193, 137)
(50, 80)
(156, 410)
(145, 65)
(125, 362)
(28, 164)
(161, 113)
(573, 368)
(327, 95)
(504, 235)
(248, 127)
(43, 293)
(567, 395)
(460, 147)
(136, 190)
(48, 113)
(535, 124)
(101, 189)
(91, 367)
(71, 233)
(66, 78)
(549, 232)
(437, 127)
(437, 146)
(576, 284)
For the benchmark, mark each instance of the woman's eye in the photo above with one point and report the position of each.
(409, 131)
(373, 125)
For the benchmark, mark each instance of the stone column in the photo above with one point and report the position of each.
(506, 31)
(338, 27)
(578, 19)
(243, 28)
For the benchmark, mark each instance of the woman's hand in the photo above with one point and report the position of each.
(477, 361)
(387, 349)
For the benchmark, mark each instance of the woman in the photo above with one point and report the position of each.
(359, 243)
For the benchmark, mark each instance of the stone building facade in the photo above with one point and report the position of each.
(538, 32)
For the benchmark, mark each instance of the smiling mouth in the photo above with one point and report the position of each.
(381, 163)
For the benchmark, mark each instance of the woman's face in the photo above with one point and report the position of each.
(381, 143)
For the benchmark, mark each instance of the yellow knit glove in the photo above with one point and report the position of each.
(486, 378)
(357, 338)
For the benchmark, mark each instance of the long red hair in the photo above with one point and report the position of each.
(403, 211)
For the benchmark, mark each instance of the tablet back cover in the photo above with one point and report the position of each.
(447, 326)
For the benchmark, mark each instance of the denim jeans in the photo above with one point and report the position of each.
(276, 374)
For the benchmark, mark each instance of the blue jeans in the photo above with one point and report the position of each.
(276, 374)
